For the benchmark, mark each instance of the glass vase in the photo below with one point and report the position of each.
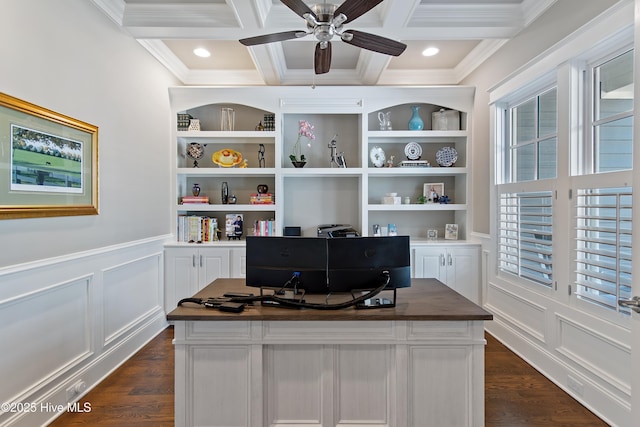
(415, 123)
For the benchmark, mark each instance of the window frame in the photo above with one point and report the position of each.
(505, 182)
(584, 174)
(586, 155)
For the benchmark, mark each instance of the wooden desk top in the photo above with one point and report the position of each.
(426, 299)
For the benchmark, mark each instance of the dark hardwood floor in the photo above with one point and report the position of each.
(516, 395)
(140, 393)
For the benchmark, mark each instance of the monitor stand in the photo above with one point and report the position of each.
(292, 295)
(379, 301)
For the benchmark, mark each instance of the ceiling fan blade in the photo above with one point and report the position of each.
(373, 42)
(354, 9)
(322, 59)
(299, 7)
(270, 38)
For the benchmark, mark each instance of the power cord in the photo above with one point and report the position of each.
(284, 302)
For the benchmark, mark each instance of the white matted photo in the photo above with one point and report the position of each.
(451, 232)
(432, 191)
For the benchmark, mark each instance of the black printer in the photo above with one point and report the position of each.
(336, 230)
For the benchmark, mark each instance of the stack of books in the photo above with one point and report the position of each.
(195, 200)
(262, 199)
(264, 228)
(269, 122)
(415, 163)
(183, 121)
(193, 228)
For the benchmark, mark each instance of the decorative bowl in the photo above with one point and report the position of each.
(227, 158)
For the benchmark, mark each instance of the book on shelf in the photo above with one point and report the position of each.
(193, 228)
(195, 199)
(183, 121)
(262, 199)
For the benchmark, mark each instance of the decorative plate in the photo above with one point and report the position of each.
(413, 151)
(377, 156)
(227, 158)
(446, 156)
(195, 150)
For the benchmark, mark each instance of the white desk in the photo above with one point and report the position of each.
(418, 364)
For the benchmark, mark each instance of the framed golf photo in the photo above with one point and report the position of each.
(48, 162)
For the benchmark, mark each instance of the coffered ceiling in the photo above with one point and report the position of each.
(466, 32)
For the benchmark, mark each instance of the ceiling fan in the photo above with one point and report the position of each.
(324, 21)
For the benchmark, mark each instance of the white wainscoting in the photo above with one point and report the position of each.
(72, 320)
(587, 358)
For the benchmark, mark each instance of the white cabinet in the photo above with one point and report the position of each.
(238, 262)
(189, 269)
(457, 266)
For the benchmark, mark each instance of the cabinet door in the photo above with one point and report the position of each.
(239, 262)
(430, 263)
(463, 273)
(212, 263)
(180, 275)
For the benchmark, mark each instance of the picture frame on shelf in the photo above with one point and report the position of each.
(451, 232)
(432, 234)
(53, 161)
(432, 191)
(234, 226)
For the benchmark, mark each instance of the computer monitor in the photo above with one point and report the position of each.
(359, 262)
(330, 265)
(273, 261)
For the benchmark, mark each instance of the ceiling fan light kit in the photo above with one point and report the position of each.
(324, 21)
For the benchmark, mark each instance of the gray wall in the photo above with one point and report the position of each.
(65, 55)
(564, 17)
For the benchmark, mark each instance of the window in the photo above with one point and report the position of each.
(533, 139)
(603, 212)
(563, 196)
(612, 114)
(525, 236)
(603, 246)
(525, 202)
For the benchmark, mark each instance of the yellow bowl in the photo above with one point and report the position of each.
(227, 158)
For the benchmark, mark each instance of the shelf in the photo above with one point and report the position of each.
(204, 172)
(428, 171)
(417, 207)
(318, 193)
(320, 172)
(212, 135)
(226, 208)
(407, 134)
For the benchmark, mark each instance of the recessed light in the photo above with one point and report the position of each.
(202, 52)
(430, 51)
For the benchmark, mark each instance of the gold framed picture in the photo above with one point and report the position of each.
(52, 160)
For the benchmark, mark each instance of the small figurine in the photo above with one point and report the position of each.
(261, 155)
(390, 162)
(338, 159)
